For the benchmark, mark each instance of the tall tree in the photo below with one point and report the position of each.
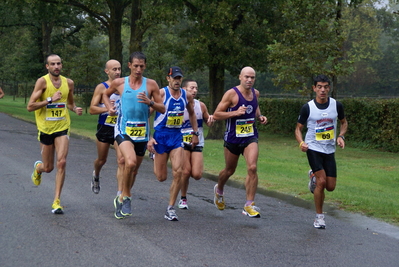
(149, 14)
(225, 35)
(314, 41)
(40, 25)
(362, 33)
(109, 13)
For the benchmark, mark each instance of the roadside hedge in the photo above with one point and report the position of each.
(373, 123)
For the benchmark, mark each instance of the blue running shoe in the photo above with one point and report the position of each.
(126, 209)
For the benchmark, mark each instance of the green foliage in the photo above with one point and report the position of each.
(371, 123)
(330, 37)
(361, 31)
(309, 44)
(84, 100)
(226, 33)
(160, 44)
(210, 40)
(282, 114)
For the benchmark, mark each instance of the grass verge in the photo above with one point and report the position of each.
(368, 180)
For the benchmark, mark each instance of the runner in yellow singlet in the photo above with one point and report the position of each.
(51, 99)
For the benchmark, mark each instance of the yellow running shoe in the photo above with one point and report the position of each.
(56, 207)
(218, 199)
(251, 211)
(36, 176)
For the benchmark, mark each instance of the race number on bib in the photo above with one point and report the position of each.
(110, 120)
(55, 112)
(175, 119)
(137, 130)
(187, 136)
(244, 127)
(325, 133)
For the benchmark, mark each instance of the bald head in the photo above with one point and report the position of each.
(111, 63)
(113, 69)
(247, 77)
(247, 69)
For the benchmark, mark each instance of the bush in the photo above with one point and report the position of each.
(372, 123)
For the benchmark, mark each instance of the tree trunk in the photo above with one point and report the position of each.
(47, 29)
(115, 30)
(216, 90)
(136, 34)
(338, 33)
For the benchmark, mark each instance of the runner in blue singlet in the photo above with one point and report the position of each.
(105, 126)
(167, 140)
(138, 94)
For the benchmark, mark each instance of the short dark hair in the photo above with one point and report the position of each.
(51, 55)
(137, 55)
(186, 81)
(321, 78)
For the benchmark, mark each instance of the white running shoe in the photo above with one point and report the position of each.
(319, 222)
(183, 204)
(171, 215)
(312, 181)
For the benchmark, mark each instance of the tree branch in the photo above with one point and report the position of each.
(102, 17)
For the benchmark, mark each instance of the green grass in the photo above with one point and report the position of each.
(368, 180)
(85, 125)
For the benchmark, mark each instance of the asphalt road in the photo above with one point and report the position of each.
(89, 235)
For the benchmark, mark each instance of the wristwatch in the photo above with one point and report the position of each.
(49, 100)
(196, 133)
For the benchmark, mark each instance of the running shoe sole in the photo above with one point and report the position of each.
(170, 218)
(118, 216)
(319, 227)
(251, 216)
(57, 211)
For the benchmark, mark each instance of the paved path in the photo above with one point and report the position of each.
(89, 235)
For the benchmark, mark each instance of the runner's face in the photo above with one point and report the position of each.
(247, 78)
(54, 65)
(192, 88)
(114, 70)
(174, 83)
(137, 67)
(321, 89)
